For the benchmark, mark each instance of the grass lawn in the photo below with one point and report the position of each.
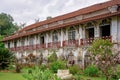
(92, 78)
(10, 76)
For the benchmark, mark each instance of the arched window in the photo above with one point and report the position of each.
(71, 34)
(8, 44)
(31, 42)
(15, 43)
(23, 42)
(42, 39)
(104, 28)
(55, 36)
(89, 30)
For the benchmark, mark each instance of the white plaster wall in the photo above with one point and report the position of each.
(6, 45)
(104, 11)
(114, 29)
(118, 29)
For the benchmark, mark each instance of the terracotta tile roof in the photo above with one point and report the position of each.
(86, 10)
(69, 15)
(64, 25)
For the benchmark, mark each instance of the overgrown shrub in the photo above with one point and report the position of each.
(77, 77)
(52, 57)
(91, 71)
(54, 66)
(105, 57)
(74, 69)
(38, 74)
(6, 57)
(43, 67)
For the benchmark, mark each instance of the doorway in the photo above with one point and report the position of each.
(105, 30)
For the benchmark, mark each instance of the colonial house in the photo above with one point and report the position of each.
(70, 33)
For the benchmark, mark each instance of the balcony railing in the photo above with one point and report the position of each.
(89, 41)
(40, 46)
(54, 45)
(72, 43)
(67, 43)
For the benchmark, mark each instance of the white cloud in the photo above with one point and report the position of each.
(26, 11)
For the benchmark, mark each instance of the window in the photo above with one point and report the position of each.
(71, 34)
(55, 36)
(8, 44)
(31, 41)
(23, 42)
(42, 41)
(15, 44)
(105, 28)
(90, 30)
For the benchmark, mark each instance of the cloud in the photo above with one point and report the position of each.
(26, 11)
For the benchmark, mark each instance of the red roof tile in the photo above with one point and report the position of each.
(69, 15)
(75, 13)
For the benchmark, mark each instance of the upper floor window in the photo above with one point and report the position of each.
(8, 44)
(23, 42)
(42, 39)
(89, 32)
(15, 43)
(71, 34)
(31, 41)
(55, 36)
(105, 28)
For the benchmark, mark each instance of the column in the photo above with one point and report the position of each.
(114, 27)
(61, 38)
(97, 30)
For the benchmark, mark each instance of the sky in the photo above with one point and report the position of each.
(27, 11)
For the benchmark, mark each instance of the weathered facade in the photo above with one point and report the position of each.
(69, 33)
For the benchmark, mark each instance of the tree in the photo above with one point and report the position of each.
(1, 44)
(6, 57)
(7, 27)
(104, 57)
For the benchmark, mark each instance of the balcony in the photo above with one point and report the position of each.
(40, 46)
(13, 49)
(67, 43)
(89, 41)
(54, 45)
(70, 43)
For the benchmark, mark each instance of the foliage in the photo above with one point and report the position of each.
(74, 69)
(18, 67)
(77, 77)
(11, 66)
(1, 43)
(91, 71)
(37, 74)
(43, 67)
(7, 27)
(6, 57)
(101, 47)
(104, 56)
(52, 57)
(54, 66)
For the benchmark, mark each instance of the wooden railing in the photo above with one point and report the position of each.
(71, 43)
(40, 46)
(66, 43)
(54, 45)
(89, 41)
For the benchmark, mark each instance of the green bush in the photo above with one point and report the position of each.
(52, 57)
(38, 74)
(43, 67)
(6, 57)
(91, 71)
(54, 66)
(77, 77)
(74, 69)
